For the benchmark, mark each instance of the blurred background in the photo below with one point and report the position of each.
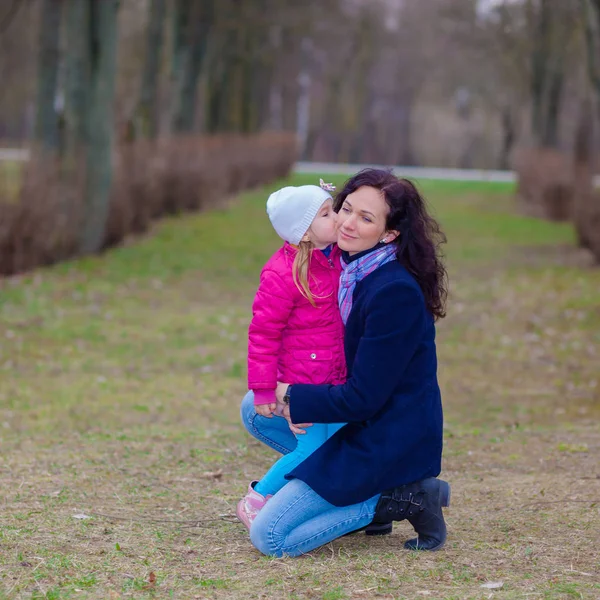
(125, 110)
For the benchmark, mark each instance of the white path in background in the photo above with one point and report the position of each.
(416, 172)
(14, 154)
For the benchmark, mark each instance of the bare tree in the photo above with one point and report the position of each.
(91, 74)
(46, 125)
(551, 23)
(193, 20)
(587, 204)
(146, 118)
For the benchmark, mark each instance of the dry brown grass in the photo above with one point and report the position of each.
(545, 183)
(120, 381)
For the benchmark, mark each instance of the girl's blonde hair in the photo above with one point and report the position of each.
(300, 270)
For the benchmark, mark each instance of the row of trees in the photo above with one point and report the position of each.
(456, 82)
(356, 80)
(104, 164)
(377, 81)
(556, 172)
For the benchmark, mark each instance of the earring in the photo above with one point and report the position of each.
(383, 241)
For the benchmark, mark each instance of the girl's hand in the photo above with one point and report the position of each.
(266, 410)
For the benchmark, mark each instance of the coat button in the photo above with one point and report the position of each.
(313, 356)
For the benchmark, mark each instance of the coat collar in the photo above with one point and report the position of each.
(318, 256)
(349, 259)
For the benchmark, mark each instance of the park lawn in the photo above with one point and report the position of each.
(120, 382)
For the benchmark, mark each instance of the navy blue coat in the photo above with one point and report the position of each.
(391, 400)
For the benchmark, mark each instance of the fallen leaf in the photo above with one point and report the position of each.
(81, 516)
(493, 585)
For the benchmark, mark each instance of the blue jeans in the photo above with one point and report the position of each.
(297, 520)
(315, 436)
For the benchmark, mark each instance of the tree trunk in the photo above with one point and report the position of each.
(218, 79)
(226, 100)
(327, 130)
(103, 66)
(46, 125)
(591, 18)
(587, 201)
(403, 112)
(190, 57)
(508, 138)
(304, 92)
(179, 23)
(77, 62)
(275, 94)
(248, 70)
(553, 104)
(214, 106)
(539, 62)
(146, 119)
(303, 111)
(548, 72)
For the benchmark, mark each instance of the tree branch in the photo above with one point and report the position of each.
(590, 20)
(10, 15)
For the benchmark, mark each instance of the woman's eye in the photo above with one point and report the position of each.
(345, 209)
(367, 219)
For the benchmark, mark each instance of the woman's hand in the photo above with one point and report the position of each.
(266, 410)
(280, 391)
(284, 410)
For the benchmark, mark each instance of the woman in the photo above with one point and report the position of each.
(382, 466)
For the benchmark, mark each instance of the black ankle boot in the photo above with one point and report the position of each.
(421, 503)
(378, 529)
(374, 529)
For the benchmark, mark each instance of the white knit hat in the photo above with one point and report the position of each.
(292, 210)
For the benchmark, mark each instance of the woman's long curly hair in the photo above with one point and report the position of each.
(418, 247)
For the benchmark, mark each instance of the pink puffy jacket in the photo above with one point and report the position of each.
(289, 339)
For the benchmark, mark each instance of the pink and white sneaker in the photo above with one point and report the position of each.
(250, 505)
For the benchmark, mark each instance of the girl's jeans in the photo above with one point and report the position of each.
(296, 520)
(306, 444)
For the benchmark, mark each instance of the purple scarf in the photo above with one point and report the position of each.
(356, 271)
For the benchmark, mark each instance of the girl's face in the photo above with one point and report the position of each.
(322, 231)
(361, 221)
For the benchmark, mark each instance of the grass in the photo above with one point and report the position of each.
(11, 176)
(120, 381)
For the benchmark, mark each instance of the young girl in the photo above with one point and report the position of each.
(296, 333)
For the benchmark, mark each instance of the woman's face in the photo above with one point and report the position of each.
(361, 221)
